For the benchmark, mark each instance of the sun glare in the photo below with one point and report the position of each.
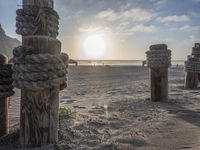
(94, 46)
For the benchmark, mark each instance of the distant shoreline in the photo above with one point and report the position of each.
(115, 60)
(120, 62)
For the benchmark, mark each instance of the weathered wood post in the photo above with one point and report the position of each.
(192, 68)
(39, 71)
(6, 90)
(158, 60)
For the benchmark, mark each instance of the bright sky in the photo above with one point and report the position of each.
(119, 29)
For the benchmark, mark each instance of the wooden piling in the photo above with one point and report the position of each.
(3, 105)
(39, 108)
(158, 60)
(159, 84)
(192, 68)
(3, 116)
(191, 80)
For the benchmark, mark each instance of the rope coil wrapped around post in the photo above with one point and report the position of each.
(196, 51)
(6, 87)
(28, 23)
(39, 71)
(192, 66)
(159, 56)
(193, 63)
(158, 60)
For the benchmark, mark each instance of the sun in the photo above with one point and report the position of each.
(94, 46)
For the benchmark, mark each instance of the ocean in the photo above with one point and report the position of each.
(120, 62)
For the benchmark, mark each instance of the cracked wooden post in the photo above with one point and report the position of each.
(40, 72)
(158, 60)
(5, 92)
(3, 105)
(192, 68)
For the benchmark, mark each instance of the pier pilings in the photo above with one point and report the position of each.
(158, 60)
(39, 71)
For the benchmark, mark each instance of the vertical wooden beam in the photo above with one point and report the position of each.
(39, 109)
(159, 84)
(3, 106)
(199, 77)
(192, 78)
(158, 60)
(3, 116)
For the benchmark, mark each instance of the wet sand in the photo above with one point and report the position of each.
(113, 111)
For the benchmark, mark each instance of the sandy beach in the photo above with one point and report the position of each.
(113, 111)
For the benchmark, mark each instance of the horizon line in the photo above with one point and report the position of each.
(119, 59)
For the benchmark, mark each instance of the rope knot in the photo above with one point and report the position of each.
(159, 56)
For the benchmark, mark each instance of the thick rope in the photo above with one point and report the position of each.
(193, 62)
(196, 51)
(6, 87)
(27, 55)
(192, 66)
(39, 76)
(158, 47)
(6, 81)
(40, 3)
(39, 68)
(40, 85)
(44, 23)
(159, 56)
(38, 71)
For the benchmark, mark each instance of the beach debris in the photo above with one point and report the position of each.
(192, 68)
(158, 60)
(6, 90)
(39, 70)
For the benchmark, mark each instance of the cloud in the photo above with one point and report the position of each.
(193, 39)
(108, 14)
(144, 29)
(159, 2)
(174, 18)
(93, 30)
(190, 28)
(140, 28)
(186, 28)
(135, 14)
